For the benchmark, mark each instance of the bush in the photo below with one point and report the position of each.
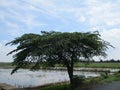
(94, 81)
(119, 71)
(104, 75)
(78, 80)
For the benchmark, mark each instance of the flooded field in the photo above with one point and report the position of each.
(26, 78)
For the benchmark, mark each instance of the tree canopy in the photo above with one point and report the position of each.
(57, 47)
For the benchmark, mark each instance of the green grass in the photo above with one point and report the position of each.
(57, 87)
(5, 65)
(95, 65)
(91, 65)
(98, 65)
(115, 77)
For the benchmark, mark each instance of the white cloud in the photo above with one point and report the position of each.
(104, 13)
(0, 45)
(14, 30)
(95, 12)
(14, 33)
(48, 7)
(31, 21)
(6, 3)
(12, 25)
(95, 29)
(81, 18)
(112, 36)
(4, 50)
(17, 16)
(3, 55)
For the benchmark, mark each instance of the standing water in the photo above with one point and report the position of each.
(26, 78)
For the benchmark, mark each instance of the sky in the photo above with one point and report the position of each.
(18, 17)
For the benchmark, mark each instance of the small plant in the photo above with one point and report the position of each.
(92, 80)
(104, 75)
(119, 71)
(78, 80)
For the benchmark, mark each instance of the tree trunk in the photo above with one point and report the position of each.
(70, 73)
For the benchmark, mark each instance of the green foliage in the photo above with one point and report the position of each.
(56, 47)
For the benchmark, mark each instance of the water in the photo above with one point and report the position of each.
(26, 78)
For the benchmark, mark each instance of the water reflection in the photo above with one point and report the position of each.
(25, 78)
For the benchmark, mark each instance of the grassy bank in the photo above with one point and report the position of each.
(115, 77)
(56, 87)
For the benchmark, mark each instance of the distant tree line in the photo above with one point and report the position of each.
(104, 61)
(110, 60)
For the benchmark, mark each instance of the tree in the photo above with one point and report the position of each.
(57, 47)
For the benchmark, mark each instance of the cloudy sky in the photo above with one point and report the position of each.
(18, 17)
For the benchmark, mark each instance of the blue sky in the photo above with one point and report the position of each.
(18, 17)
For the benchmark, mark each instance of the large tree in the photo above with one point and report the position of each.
(57, 47)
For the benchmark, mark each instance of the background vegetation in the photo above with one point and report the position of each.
(104, 64)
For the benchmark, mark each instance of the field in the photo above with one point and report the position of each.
(88, 82)
(91, 65)
(99, 65)
(5, 65)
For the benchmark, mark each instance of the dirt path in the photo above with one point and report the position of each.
(110, 86)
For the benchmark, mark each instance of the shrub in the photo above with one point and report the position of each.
(104, 75)
(78, 80)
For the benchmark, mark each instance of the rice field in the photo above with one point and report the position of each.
(99, 65)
